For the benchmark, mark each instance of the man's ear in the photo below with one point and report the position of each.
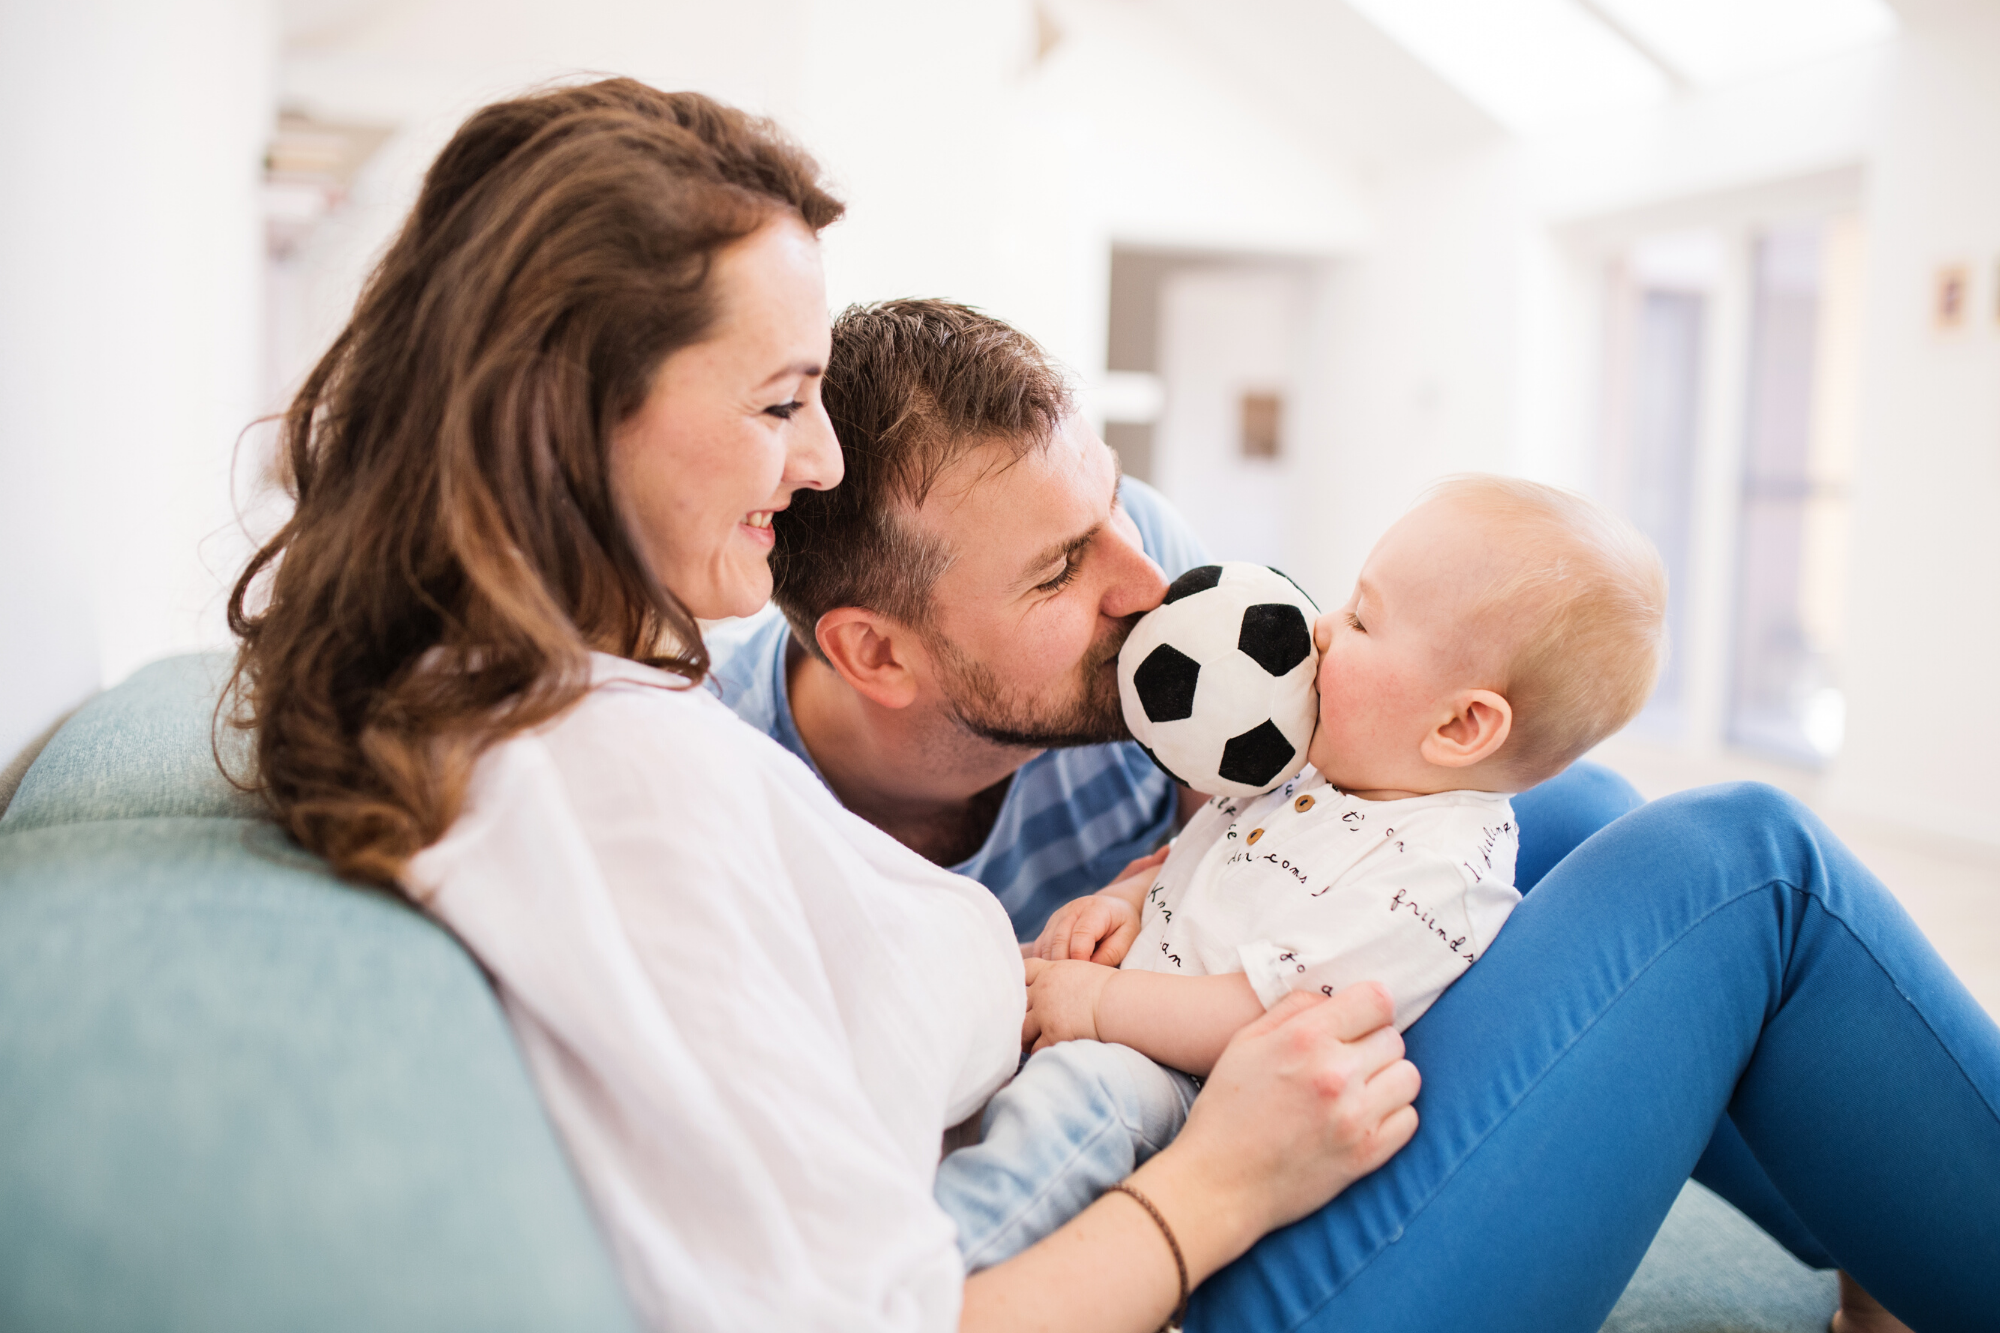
(871, 653)
(1478, 726)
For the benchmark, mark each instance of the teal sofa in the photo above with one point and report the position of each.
(239, 1094)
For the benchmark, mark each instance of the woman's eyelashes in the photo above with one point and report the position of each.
(784, 411)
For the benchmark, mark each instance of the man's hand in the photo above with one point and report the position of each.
(1062, 1001)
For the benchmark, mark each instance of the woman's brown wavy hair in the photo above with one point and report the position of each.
(456, 551)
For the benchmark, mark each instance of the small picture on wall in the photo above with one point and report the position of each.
(1951, 298)
(1261, 414)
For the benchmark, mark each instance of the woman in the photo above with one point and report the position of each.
(553, 436)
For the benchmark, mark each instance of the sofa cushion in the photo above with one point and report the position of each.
(238, 1094)
(138, 751)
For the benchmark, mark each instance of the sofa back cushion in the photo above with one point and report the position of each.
(237, 1093)
(139, 751)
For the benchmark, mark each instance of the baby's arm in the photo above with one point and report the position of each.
(1182, 1022)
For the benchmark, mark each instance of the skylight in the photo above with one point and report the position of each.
(1709, 41)
(1531, 63)
(1526, 63)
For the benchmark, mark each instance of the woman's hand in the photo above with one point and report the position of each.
(1304, 1101)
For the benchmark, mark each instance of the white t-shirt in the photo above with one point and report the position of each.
(750, 1014)
(1307, 887)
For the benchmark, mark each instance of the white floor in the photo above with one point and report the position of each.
(1952, 892)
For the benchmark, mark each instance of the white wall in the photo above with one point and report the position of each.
(1225, 331)
(974, 168)
(981, 165)
(1462, 337)
(131, 136)
(1416, 354)
(1924, 613)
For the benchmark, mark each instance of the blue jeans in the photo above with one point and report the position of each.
(1711, 984)
(1082, 1116)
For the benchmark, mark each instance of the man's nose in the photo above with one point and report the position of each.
(1137, 584)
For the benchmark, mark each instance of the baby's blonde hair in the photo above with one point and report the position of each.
(1595, 596)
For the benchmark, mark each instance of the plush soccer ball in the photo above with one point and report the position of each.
(1217, 681)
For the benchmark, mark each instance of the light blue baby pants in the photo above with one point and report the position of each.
(1077, 1119)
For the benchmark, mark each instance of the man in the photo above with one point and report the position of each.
(953, 610)
(952, 613)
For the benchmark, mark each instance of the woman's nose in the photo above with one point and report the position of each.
(813, 461)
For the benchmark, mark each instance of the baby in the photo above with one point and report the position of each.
(1500, 629)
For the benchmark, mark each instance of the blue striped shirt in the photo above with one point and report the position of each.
(1071, 819)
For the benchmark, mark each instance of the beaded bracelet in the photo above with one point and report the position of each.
(1179, 1315)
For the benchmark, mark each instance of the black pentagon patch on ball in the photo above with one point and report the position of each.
(1162, 767)
(1275, 636)
(1257, 756)
(1165, 682)
(1199, 579)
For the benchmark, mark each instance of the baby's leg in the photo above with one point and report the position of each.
(1077, 1119)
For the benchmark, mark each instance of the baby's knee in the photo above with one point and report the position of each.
(1091, 1070)
(1114, 1082)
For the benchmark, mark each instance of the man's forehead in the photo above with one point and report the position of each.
(1045, 487)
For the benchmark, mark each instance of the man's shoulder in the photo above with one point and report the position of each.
(745, 657)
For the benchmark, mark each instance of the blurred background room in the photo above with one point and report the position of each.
(1731, 265)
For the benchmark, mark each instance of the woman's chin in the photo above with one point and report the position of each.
(743, 595)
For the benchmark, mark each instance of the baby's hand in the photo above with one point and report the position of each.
(1098, 929)
(1062, 1001)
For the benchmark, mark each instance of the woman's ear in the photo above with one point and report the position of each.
(1479, 725)
(868, 653)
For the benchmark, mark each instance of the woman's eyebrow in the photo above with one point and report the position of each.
(806, 369)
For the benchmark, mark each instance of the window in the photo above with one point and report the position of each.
(1784, 696)
(1728, 427)
(1660, 298)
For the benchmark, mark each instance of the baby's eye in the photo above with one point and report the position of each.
(783, 411)
(1354, 622)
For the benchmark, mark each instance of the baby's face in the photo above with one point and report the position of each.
(1404, 645)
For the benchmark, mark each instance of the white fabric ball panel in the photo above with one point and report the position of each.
(1233, 694)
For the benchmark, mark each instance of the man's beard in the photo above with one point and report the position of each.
(1089, 714)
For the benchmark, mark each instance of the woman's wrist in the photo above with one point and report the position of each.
(1213, 1219)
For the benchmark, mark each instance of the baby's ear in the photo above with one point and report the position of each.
(1479, 725)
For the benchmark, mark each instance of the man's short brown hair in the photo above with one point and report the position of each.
(911, 387)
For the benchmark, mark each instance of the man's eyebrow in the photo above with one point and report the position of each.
(1062, 550)
(808, 369)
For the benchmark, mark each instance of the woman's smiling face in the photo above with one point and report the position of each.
(732, 426)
